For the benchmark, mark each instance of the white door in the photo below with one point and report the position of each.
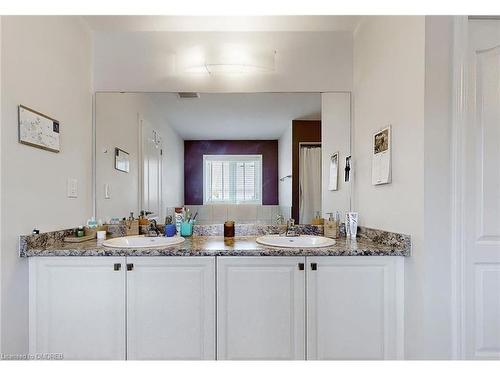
(171, 308)
(77, 307)
(354, 308)
(482, 194)
(152, 168)
(260, 308)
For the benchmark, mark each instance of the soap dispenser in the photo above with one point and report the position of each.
(332, 226)
(318, 220)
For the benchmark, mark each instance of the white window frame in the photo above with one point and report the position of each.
(233, 158)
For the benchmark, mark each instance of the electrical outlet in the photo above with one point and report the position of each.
(72, 188)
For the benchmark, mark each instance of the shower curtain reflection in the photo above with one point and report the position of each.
(309, 182)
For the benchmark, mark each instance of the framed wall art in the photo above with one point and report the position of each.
(122, 160)
(38, 130)
(381, 158)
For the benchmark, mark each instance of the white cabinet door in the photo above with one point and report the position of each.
(260, 308)
(77, 306)
(354, 308)
(171, 308)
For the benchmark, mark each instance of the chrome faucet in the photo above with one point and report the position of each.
(153, 230)
(291, 230)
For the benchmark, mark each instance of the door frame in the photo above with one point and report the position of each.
(140, 146)
(460, 115)
(313, 145)
(459, 123)
(303, 131)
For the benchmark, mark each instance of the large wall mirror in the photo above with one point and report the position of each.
(249, 157)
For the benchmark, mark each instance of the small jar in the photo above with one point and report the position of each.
(79, 232)
(229, 229)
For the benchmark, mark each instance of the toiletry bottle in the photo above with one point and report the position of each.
(353, 224)
(318, 220)
(143, 220)
(80, 232)
(132, 225)
(179, 216)
(347, 227)
(338, 223)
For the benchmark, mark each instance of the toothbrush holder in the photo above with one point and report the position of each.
(187, 229)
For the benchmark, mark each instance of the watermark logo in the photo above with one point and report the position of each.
(31, 356)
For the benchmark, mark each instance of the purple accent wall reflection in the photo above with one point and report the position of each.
(193, 166)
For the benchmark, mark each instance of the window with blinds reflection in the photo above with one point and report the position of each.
(232, 179)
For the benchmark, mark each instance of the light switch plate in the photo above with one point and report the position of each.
(107, 192)
(72, 188)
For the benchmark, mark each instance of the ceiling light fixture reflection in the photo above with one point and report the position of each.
(226, 59)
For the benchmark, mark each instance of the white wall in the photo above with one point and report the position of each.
(285, 169)
(117, 126)
(145, 61)
(429, 271)
(173, 171)
(116, 118)
(335, 137)
(402, 77)
(46, 65)
(389, 76)
(389, 89)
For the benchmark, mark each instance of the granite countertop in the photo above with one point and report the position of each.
(219, 246)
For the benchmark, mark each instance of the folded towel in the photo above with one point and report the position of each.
(334, 172)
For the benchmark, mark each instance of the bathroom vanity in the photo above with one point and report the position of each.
(209, 297)
(215, 298)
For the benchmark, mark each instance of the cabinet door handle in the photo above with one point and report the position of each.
(117, 266)
(301, 266)
(314, 266)
(130, 266)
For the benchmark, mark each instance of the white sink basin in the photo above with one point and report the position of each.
(301, 241)
(142, 241)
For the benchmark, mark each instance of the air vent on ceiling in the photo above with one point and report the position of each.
(188, 95)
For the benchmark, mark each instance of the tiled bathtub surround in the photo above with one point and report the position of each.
(254, 229)
(208, 241)
(244, 229)
(285, 211)
(240, 213)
